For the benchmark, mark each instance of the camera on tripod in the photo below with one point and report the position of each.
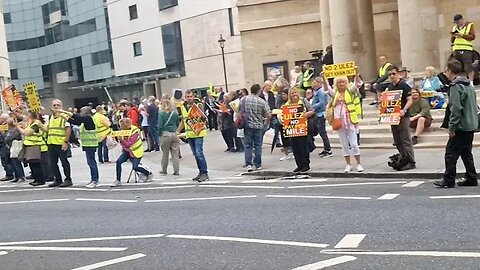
(317, 54)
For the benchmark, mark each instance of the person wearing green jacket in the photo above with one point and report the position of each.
(461, 119)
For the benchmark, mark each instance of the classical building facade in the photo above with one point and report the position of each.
(280, 33)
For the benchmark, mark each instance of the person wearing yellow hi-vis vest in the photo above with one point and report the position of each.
(57, 140)
(308, 75)
(88, 139)
(347, 109)
(34, 137)
(381, 82)
(195, 124)
(104, 128)
(463, 35)
(132, 149)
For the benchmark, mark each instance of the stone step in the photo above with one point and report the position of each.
(380, 129)
(420, 145)
(373, 121)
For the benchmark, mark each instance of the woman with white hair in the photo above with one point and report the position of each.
(347, 110)
(430, 82)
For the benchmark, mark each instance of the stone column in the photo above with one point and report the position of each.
(418, 34)
(325, 21)
(353, 36)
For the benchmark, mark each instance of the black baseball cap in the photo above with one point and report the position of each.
(457, 17)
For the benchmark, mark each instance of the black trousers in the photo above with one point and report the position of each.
(459, 146)
(55, 152)
(212, 120)
(40, 170)
(301, 151)
(229, 137)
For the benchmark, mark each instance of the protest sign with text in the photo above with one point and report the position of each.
(295, 123)
(390, 107)
(33, 99)
(339, 70)
(196, 119)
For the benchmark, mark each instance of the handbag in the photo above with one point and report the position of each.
(330, 113)
(337, 122)
(16, 149)
(33, 153)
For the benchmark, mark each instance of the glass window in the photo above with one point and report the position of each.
(47, 73)
(7, 18)
(13, 74)
(164, 4)
(172, 47)
(100, 57)
(137, 48)
(133, 12)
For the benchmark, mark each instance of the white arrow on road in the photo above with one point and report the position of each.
(326, 263)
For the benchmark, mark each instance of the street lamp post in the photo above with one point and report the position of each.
(221, 41)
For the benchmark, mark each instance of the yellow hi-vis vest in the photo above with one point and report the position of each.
(35, 139)
(102, 130)
(382, 71)
(461, 44)
(137, 147)
(307, 78)
(88, 138)
(353, 105)
(56, 131)
(189, 133)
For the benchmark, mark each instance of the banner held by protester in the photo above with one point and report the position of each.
(196, 119)
(33, 99)
(390, 107)
(294, 121)
(339, 70)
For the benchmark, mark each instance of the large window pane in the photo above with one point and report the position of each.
(172, 47)
(133, 12)
(164, 4)
(137, 48)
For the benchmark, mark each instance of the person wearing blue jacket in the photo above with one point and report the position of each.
(319, 104)
(430, 82)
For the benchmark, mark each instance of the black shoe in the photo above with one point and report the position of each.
(148, 151)
(278, 145)
(414, 140)
(443, 184)
(7, 178)
(36, 184)
(467, 183)
(297, 170)
(197, 177)
(49, 180)
(373, 103)
(204, 177)
(67, 183)
(305, 169)
(55, 184)
(30, 177)
(408, 166)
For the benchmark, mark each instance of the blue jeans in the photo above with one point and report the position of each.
(253, 142)
(125, 156)
(90, 154)
(18, 168)
(153, 130)
(103, 151)
(7, 165)
(196, 144)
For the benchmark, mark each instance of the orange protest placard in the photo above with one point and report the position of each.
(9, 96)
(223, 107)
(295, 124)
(196, 119)
(390, 107)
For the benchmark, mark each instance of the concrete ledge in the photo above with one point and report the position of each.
(371, 175)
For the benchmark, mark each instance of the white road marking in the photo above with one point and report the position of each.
(352, 184)
(3, 253)
(260, 181)
(317, 197)
(99, 249)
(201, 199)
(388, 196)
(326, 263)
(85, 189)
(247, 240)
(214, 182)
(455, 197)
(350, 241)
(105, 200)
(34, 201)
(408, 253)
(413, 184)
(110, 262)
(307, 180)
(23, 190)
(149, 188)
(228, 186)
(175, 183)
(72, 240)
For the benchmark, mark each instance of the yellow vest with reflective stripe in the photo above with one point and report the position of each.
(189, 133)
(88, 138)
(353, 105)
(461, 44)
(383, 70)
(102, 130)
(56, 131)
(137, 147)
(35, 139)
(307, 78)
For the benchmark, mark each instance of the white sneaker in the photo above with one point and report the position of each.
(92, 185)
(116, 184)
(249, 168)
(149, 177)
(283, 158)
(348, 168)
(359, 168)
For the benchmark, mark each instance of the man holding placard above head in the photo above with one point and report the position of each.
(195, 123)
(395, 103)
(57, 140)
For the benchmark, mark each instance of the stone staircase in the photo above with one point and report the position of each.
(376, 136)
